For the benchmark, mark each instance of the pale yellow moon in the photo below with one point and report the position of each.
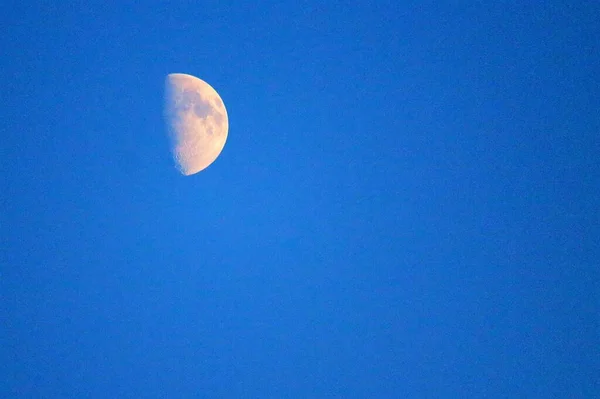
(196, 121)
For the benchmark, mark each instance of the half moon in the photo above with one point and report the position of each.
(196, 122)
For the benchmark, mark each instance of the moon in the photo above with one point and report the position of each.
(196, 121)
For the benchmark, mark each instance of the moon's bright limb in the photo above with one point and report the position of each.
(196, 120)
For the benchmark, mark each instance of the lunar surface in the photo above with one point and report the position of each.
(196, 121)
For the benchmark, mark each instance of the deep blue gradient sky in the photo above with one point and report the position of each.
(406, 206)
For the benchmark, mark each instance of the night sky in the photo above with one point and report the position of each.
(406, 205)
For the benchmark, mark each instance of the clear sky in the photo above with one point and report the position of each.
(406, 206)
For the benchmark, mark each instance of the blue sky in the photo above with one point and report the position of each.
(406, 205)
